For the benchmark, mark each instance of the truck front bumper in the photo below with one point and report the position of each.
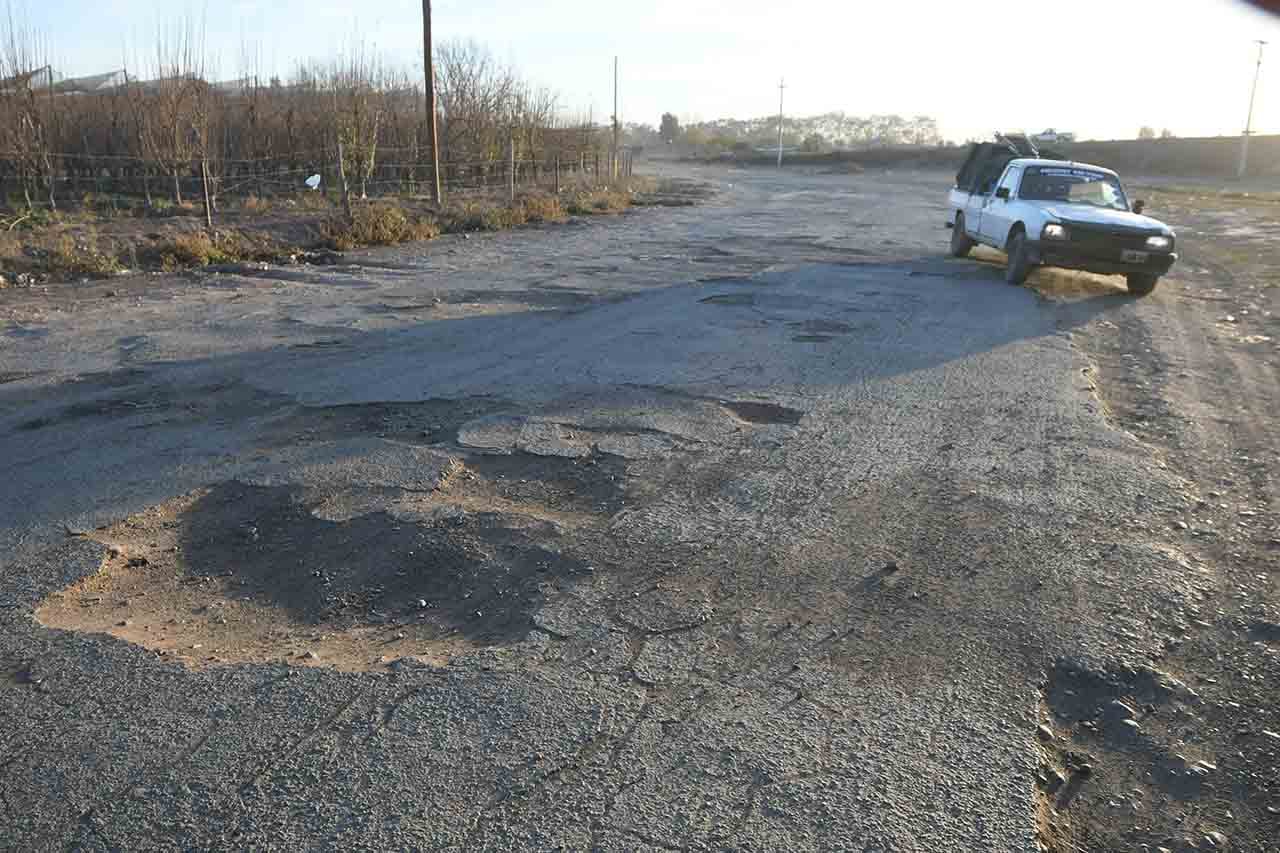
(1104, 262)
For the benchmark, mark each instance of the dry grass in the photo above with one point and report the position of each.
(255, 204)
(10, 247)
(65, 244)
(75, 257)
(541, 207)
(201, 249)
(379, 224)
(602, 200)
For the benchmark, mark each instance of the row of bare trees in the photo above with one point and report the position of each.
(353, 115)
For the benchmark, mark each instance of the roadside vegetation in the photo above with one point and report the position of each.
(86, 242)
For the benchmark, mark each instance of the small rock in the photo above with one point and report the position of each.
(1118, 710)
(1044, 733)
(890, 567)
(1131, 724)
(123, 623)
(1216, 840)
(1181, 525)
(309, 655)
(1271, 734)
(422, 604)
(138, 562)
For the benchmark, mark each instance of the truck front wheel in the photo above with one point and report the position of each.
(1019, 259)
(1141, 284)
(961, 245)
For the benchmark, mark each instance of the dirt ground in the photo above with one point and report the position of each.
(760, 524)
(1196, 382)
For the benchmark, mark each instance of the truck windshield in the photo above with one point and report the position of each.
(1073, 186)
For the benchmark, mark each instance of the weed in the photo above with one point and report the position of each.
(315, 201)
(539, 207)
(71, 258)
(381, 224)
(255, 204)
(199, 249)
(599, 201)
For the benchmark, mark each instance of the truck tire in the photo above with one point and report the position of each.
(1019, 262)
(1140, 284)
(961, 245)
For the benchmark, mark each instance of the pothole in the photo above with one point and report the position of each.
(763, 413)
(251, 573)
(822, 327)
(741, 299)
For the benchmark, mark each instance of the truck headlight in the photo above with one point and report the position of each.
(1054, 231)
(1160, 243)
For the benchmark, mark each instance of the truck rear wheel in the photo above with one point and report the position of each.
(961, 245)
(1019, 261)
(1141, 284)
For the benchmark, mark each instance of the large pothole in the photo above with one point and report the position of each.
(238, 573)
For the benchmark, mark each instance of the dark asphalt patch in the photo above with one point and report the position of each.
(764, 413)
(744, 299)
(822, 327)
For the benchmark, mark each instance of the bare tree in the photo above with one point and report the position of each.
(26, 107)
(173, 112)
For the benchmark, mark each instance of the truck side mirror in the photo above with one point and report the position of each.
(1139, 206)
(1002, 192)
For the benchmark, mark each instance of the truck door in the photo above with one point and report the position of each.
(982, 175)
(996, 217)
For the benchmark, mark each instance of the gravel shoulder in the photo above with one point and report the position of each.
(754, 525)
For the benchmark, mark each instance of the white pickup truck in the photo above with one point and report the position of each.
(1057, 213)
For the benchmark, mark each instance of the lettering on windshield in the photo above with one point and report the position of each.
(1072, 173)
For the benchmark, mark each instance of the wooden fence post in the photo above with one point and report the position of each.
(346, 188)
(557, 174)
(208, 203)
(511, 182)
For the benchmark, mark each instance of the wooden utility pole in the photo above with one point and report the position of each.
(616, 124)
(782, 88)
(1248, 125)
(429, 68)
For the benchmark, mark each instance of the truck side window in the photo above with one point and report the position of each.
(1010, 180)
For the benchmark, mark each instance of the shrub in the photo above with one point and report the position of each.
(71, 258)
(597, 201)
(538, 207)
(190, 250)
(382, 224)
(200, 249)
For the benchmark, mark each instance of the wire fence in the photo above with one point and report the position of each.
(79, 180)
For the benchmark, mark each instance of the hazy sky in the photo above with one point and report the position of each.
(1101, 68)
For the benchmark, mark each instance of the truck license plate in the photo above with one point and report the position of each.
(1131, 257)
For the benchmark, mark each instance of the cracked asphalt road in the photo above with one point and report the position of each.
(778, 521)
